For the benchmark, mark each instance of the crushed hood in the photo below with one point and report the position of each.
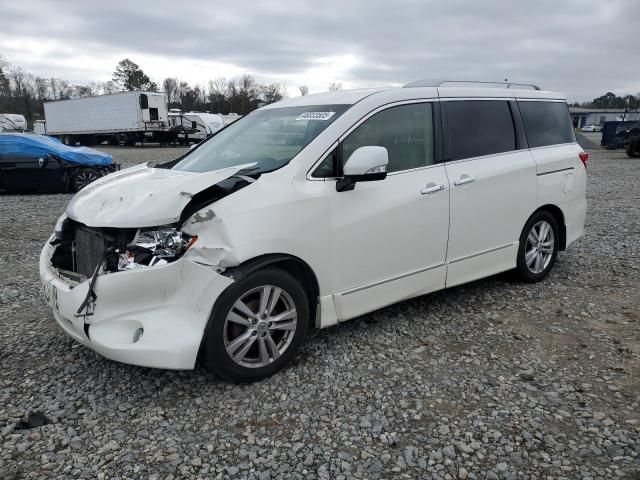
(141, 196)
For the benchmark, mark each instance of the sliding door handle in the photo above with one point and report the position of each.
(431, 188)
(464, 179)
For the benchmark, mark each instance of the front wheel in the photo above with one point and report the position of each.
(256, 326)
(538, 247)
(633, 150)
(83, 177)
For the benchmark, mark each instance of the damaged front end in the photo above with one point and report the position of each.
(81, 249)
(130, 291)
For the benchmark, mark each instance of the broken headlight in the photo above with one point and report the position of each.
(155, 246)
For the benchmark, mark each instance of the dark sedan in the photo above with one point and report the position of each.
(32, 162)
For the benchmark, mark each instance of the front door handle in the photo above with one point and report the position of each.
(431, 188)
(464, 179)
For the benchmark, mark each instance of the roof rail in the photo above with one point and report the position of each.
(440, 83)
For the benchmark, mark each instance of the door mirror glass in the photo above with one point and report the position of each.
(366, 164)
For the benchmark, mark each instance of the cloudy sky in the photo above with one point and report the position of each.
(581, 47)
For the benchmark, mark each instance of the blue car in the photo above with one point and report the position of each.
(32, 162)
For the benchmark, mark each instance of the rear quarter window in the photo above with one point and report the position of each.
(546, 123)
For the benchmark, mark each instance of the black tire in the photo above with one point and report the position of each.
(528, 272)
(633, 150)
(216, 357)
(83, 177)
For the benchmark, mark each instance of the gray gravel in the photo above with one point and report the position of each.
(491, 380)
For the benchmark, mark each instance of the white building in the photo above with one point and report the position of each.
(597, 116)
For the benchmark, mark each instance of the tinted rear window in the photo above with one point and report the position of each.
(546, 123)
(478, 127)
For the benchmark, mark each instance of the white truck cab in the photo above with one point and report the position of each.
(312, 211)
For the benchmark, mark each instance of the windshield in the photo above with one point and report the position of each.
(270, 138)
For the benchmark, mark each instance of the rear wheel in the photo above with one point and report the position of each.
(257, 325)
(83, 177)
(633, 150)
(538, 248)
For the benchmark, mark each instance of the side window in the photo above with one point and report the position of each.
(406, 131)
(329, 166)
(153, 114)
(546, 123)
(478, 127)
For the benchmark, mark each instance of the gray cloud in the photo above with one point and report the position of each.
(582, 48)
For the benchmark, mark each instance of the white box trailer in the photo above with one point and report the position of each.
(126, 117)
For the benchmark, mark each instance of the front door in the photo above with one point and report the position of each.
(28, 173)
(389, 237)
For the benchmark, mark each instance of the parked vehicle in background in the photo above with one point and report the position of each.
(592, 128)
(195, 126)
(12, 122)
(628, 137)
(32, 162)
(119, 118)
(313, 211)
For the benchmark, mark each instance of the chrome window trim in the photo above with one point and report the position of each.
(542, 147)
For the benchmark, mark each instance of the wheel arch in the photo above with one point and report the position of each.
(289, 263)
(558, 214)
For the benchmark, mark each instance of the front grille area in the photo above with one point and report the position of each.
(90, 246)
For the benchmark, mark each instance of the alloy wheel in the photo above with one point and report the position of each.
(540, 247)
(260, 326)
(84, 178)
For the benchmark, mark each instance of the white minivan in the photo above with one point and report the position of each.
(313, 211)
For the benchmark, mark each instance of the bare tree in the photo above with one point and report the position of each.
(42, 88)
(304, 90)
(335, 87)
(170, 87)
(4, 81)
(54, 86)
(17, 77)
(109, 87)
(273, 92)
(248, 93)
(217, 97)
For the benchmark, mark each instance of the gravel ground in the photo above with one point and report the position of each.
(490, 380)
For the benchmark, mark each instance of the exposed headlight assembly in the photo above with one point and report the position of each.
(155, 246)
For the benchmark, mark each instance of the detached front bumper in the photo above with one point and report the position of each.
(171, 304)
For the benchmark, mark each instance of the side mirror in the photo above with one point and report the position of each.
(366, 164)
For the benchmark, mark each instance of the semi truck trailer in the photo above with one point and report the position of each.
(118, 118)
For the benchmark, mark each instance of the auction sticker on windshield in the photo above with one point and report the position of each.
(315, 116)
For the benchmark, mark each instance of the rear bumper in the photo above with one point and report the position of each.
(171, 304)
(575, 216)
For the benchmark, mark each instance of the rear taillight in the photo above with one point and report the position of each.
(584, 156)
